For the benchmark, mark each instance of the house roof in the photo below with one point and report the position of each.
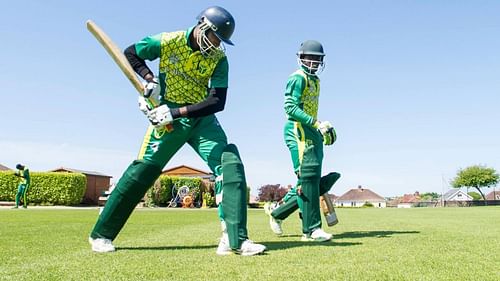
(186, 171)
(410, 198)
(453, 192)
(71, 170)
(4, 168)
(494, 195)
(360, 194)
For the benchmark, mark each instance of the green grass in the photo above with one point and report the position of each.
(158, 244)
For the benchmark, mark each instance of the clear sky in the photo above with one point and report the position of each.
(412, 87)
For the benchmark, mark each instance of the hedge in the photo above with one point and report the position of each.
(46, 188)
(160, 193)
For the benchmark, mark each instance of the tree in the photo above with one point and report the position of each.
(476, 176)
(429, 196)
(474, 195)
(271, 192)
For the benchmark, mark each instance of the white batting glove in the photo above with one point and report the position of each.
(152, 90)
(160, 116)
(327, 131)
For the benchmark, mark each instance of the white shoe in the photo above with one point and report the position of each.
(101, 245)
(249, 248)
(318, 235)
(274, 223)
(224, 249)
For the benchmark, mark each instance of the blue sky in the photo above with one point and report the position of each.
(412, 87)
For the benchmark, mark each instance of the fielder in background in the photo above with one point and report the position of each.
(180, 104)
(22, 188)
(304, 136)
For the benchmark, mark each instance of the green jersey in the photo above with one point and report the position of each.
(184, 74)
(25, 174)
(302, 97)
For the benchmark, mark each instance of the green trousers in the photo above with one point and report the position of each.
(203, 134)
(290, 204)
(22, 192)
(306, 150)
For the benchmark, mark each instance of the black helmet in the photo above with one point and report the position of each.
(311, 47)
(19, 167)
(220, 21)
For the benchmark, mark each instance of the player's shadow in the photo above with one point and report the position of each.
(377, 234)
(166, 248)
(277, 245)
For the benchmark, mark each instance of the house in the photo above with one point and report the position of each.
(409, 200)
(97, 184)
(357, 197)
(186, 171)
(456, 194)
(494, 195)
(4, 168)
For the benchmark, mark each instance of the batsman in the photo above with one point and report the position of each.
(180, 104)
(305, 136)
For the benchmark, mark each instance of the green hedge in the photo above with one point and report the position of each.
(46, 188)
(160, 193)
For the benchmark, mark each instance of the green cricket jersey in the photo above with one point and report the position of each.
(302, 97)
(25, 174)
(184, 74)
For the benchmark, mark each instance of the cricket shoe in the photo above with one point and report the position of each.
(274, 223)
(318, 235)
(248, 248)
(224, 249)
(101, 245)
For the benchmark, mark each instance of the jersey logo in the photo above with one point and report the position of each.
(173, 59)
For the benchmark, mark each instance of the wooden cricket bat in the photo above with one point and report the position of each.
(116, 54)
(328, 210)
(119, 58)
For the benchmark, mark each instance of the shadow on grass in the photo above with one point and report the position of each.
(377, 234)
(164, 248)
(277, 245)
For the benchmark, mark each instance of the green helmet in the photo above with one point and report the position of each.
(312, 65)
(311, 47)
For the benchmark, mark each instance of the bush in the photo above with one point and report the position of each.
(367, 205)
(46, 188)
(160, 193)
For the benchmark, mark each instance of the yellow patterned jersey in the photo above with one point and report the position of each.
(302, 97)
(184, 74)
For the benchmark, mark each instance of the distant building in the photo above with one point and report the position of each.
(4, 168)
(494, 195)
(186, 171)
(456, 194)
(97, 184)
(409, 200)
(357, 197)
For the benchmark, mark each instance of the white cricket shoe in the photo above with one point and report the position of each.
(318, 235)
(248, 248)
(274, 223)
(101, 245)
(224, 249)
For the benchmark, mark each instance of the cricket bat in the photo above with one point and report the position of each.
(116, 54)
(120, 59)
(328, 210)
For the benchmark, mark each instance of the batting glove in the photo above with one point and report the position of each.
(152, 90)
(159, 116)
(327, 131)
